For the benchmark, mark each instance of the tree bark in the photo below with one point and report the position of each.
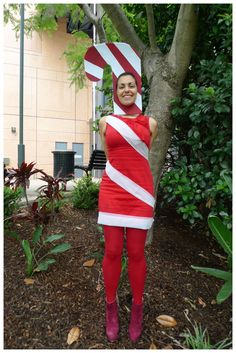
(182, 45)
(96, 21)
(151, 26)
(123, 26)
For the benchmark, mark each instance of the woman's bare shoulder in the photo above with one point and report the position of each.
(102, 121)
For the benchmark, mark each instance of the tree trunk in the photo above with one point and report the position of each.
(163, 89)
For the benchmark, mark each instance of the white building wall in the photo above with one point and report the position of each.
(53, 110)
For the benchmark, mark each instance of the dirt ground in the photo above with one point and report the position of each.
(40, 315)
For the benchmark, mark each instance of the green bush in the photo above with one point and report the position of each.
(201, 146)
(85, 193)
(197, 192)
(11, 203)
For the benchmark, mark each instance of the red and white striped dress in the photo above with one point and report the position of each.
(126, 190)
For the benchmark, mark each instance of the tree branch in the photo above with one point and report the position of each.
(151, 26)
(96, 21)
(123, 26)
(185, 32)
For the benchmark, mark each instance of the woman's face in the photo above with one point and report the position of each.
(126, 90)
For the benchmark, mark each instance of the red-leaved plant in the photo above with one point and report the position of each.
(21, 177)
(43, 208)
(39, 249)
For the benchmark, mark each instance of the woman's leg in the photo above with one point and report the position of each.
(137, 274)
(114, 239)
(135, 239)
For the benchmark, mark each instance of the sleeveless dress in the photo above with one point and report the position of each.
(126, 190)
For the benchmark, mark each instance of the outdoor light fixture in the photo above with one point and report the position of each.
(13, 129)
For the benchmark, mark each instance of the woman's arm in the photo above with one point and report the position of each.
(153, 130)
(102, 132)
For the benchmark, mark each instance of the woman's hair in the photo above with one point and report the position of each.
(126, 74)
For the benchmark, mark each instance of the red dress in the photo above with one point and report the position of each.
(126, 190)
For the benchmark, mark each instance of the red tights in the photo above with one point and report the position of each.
(135, 241)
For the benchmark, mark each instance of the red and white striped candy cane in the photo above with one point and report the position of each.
(122, 58)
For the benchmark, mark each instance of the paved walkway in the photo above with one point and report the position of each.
(32, 192)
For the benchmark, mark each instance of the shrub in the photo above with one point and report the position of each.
(51, 196)
(20, 177)
(11, 203)
(197, 193)
(201, 146)
(85, 193)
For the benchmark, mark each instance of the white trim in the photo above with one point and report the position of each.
(128, 134)
(93, 69)
(129, 185)
(121, 220)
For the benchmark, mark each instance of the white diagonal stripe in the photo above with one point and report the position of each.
(128, 134)
(92, 69)
(130, 55)
(129, 185)
(110, 58)
(117, 109)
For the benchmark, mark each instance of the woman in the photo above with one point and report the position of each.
(126, 203)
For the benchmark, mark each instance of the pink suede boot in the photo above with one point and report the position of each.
(135, 326)
(112, 321)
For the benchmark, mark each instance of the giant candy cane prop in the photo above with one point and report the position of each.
(122, 58)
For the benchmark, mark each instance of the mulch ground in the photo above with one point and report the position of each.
(40, 315)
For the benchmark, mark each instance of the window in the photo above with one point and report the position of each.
(61, 146)
(79, 158)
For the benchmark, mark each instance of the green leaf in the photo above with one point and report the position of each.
(60, 248)
(29, 257)
(53, 237)
(190, 132)
(225, 292)
(43, 266)
(123, 263)
(37, 234)
(192, 87)
(214, 272)
(196, 134)
(228, 180)
(100, 229)
(210, 90)
(222, 234)
(176, 176)
(208, 174)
